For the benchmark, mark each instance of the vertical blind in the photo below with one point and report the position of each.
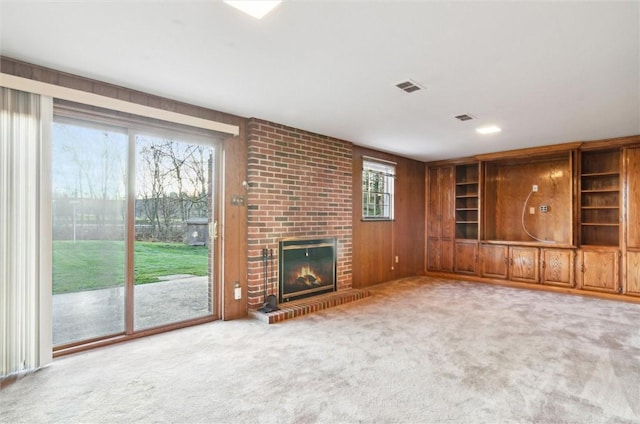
(25, 264)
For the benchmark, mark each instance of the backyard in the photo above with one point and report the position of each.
(90, 265)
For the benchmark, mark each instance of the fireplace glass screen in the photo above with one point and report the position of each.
(307, 268)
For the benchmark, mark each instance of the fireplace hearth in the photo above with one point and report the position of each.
(307, 268)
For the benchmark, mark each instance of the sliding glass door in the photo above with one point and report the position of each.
(89, 227)
(133, 219)
(172, 210)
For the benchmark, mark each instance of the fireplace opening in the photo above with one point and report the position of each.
(307, 268)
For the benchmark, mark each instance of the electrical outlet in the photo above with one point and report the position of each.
(532, 211)
(544, 208)
(534, 188)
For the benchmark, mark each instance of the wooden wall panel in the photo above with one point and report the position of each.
(235, 227)
(506, 188)
(376, 244)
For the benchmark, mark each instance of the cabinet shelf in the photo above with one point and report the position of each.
(463, 183)
(604, 190)
(466, 196)
(466, 222)
(599, 224)
(599, 207)
(601, 174)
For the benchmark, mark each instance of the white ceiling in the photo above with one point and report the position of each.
(546, 72)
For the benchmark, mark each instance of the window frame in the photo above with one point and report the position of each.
(386, 171)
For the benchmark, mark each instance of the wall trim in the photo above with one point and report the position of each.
(59, 92)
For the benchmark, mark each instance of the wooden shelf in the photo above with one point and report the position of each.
(599, 224)
(601, 174)
(605, 190)
(467, 197)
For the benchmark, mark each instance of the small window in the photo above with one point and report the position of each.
(378, 179)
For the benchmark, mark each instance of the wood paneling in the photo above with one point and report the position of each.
(376, 244)
(599, 269)
(506, 189)
(494, 260)
(235, 229)
(557, 267)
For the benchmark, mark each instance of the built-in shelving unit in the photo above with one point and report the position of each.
(467, 201)
(600, 198)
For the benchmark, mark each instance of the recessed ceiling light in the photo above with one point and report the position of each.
(491, 129)
(257, 9)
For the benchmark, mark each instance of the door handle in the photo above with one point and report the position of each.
(213, 230)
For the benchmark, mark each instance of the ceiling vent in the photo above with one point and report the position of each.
(408, 86)
(465, 117)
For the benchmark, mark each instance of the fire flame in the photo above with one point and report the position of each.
(305, 271)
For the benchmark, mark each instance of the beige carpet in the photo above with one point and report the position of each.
(417, 351)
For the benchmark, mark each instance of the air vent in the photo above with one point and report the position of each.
(465, 117)
(408, 86)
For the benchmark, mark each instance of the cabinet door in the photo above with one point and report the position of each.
(434, 247)
(447, 204)
(446, 255)
(440, 217)
(523, 264)
(599, 270)
(494, 260)
(633, 197)
(633, 273)
(433, 208)
(466, 255)
(557, 267)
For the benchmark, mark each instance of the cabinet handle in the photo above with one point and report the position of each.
(511, 261)
(543, 264)
(582, 268)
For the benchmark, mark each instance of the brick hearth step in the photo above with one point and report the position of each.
(306, 306)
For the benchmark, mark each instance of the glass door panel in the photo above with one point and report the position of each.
(89, 224)
(173, 210)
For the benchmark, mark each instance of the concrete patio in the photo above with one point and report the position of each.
(95, 313)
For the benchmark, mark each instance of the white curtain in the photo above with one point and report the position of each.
(25, 232)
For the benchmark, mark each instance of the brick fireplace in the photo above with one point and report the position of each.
(300, 188)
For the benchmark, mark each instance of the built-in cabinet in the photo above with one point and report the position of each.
(551, 217)
(599, 269)
(517, 263)
(557, 267)
(440, 219)
(494, 261)
(466, 257)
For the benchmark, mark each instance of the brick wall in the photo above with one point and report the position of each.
(299, 187)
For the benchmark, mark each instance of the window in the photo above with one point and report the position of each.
(378, 179)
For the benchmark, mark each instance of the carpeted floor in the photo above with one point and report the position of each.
(419, 350)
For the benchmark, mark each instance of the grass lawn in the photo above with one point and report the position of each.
(90, 265)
